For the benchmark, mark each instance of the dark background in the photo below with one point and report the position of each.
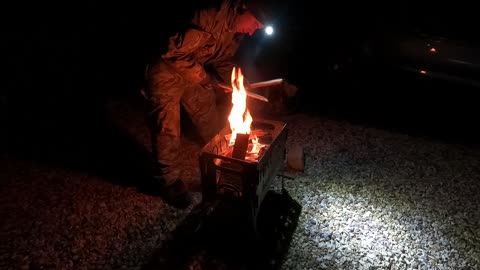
(64, 61)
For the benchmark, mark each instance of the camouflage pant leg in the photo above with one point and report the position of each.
(200, 105)
(164, 93)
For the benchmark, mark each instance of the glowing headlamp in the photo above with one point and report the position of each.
(269, 30)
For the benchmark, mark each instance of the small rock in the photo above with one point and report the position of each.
(296, 158)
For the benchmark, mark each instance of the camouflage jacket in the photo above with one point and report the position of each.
(209, 42)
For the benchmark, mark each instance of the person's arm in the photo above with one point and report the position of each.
(180, 55)
(224, 70)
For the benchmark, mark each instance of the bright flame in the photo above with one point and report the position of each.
(239, 118)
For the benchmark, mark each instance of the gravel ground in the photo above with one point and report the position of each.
(370, 199)
(373, 199)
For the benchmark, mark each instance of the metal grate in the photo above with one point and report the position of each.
(247, 180)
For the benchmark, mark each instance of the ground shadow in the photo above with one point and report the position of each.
(221, 237)
(81, 138)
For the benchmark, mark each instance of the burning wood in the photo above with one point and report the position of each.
(253, 86)
(241, 146)
(240, 121)
(247, 179)
(252, 95)
(255, 147)
(256, 85)
(242, 160)
(266, 83)
(239, 118)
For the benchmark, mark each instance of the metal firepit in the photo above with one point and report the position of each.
(246, 180)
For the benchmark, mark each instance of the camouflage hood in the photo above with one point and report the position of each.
(210, 40)
(216, 18)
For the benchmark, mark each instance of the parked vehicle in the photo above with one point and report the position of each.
(413, 67)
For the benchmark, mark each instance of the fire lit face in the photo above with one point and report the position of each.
(248, 24)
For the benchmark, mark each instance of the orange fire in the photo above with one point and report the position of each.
(240, 118)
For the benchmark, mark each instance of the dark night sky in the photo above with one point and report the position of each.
(66, 60)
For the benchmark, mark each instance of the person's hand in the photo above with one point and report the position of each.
(292, 101)
(214, 85)
(290, 89)
(209, 83)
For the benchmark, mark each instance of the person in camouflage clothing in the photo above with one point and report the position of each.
(185, 76)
